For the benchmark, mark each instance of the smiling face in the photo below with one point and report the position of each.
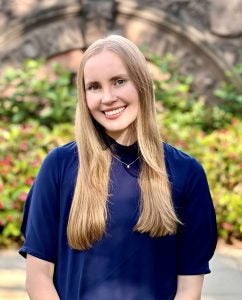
(111, 95)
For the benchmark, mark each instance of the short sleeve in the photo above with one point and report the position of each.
(197, 237)
(41, 212)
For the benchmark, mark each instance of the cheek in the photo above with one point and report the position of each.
(88, 102)
(92, 102)
(133, 93)
(135, 98)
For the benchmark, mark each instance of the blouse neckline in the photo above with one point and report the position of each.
(121, 150)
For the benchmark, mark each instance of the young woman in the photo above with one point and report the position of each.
(117, 214)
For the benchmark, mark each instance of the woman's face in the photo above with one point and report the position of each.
(111, 96)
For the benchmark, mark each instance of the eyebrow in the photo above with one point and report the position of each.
(111, 79)
(119, 75)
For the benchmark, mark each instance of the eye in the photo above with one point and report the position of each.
(93, 86)
(120, 81)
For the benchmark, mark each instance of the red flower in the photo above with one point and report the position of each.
(5, 162)
(1, 205)
(24, 147)
(227, 226)
(15, 205)
(29, 181)
(39, 135)
(9, 218)
(235, 121)
(23, 197)
(36, 162)
(26, 127)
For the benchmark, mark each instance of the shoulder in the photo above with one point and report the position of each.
(182, 168)
(62, 153)
(67, 151)
(60, 158)
(180, 159)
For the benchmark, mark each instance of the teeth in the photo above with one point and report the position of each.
(115, 111)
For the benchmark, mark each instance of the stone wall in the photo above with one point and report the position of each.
(206, 35)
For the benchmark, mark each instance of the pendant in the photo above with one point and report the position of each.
(128, 166)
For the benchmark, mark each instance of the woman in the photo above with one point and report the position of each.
(118, 214)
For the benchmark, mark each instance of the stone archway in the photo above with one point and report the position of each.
(56, 30)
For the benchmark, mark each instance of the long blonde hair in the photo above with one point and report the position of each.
(88, 214)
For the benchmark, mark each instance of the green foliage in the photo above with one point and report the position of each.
(212, 134)
(37, 93)
(176, 94)
(36, 114)
(220, 153)
(22, 149)
(222, 158)
(231, 97)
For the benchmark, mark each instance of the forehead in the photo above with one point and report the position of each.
(102, 63)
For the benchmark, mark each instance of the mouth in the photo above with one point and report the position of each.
(114, 112)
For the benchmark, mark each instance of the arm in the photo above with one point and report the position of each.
(39, 279)
(189, 287)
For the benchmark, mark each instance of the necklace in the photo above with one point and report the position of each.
(127, 165)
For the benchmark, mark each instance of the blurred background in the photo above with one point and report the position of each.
(194, 50)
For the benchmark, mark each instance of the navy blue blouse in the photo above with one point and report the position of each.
(125, 264)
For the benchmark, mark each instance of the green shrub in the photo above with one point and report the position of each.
(36, 114)
(210, 133)
(183, 106)
(22, 149)
(35, 93)
(220, 153)
(222, 158)
(230, 96)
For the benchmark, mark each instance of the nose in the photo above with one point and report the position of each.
(108, 96)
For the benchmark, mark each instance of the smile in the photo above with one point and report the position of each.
(114, 112)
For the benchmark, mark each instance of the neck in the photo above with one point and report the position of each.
(125, 138)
